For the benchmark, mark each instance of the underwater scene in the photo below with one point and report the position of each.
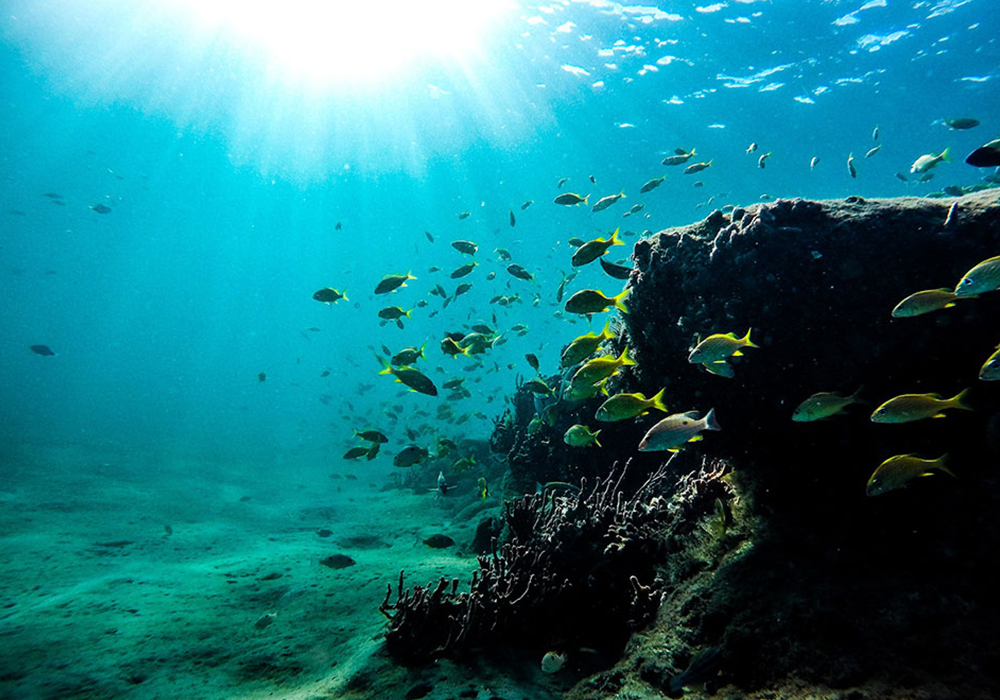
(500, 350)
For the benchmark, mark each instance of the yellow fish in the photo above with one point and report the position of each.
(600, 368)
(823, 405)
(592, 250)
(911, 407)
(990, 371)
(625, 406)
(581, 436)
(592, 301)
(583, 347)
(719, 347)
(984, 277)
(896, 472)
(926, 301)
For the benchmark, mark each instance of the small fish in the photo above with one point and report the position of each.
(376, 436)
(897, 472)
(634, 209)
(679, 157)
(593, 179)
(411, 377)
(697, 167)
(719, 347)
(101, 209)
(464, 270)
(605, 202)
(43, 350)
(538, 386)
(592, 301)
(553, 662)
(465, 247)
(987, 156)
(652, 184)
(924, 302)
(453, 383)
(462, 464)
(576, 242)
(751, 148)
(520, 272)
(430, 236)
(761, 162)
(356, 453)
(410, 455)
(814, 162)
(674, 431)
(583, 347)
(902, 177)
(439, 541)
(391, 283)
(929, 160)
(875, 133)
(990, 371)
(452, 349)
(391, 313)
(581, 436)
(910, 407)
(625, 406)
(338, 227)
(850, 165)
(591, 250)
(873, 151)
(527, 204)
(600, 368)
(484, 489)
(983, 277)
(823, 405)
(562, 181)
(512, 219)
(570, 199)
(961, 123)
(464, 215)
(462, 288)
(502, 254)
(619, 272)
(532, 360)
(262, 376)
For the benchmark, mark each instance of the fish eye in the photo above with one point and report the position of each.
(967, 281)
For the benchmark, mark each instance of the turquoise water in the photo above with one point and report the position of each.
(225, 185)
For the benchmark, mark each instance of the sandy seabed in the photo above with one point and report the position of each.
(136, 577)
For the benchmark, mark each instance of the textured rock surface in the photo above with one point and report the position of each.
(839, 593)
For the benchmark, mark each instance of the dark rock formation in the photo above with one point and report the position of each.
(885, 595)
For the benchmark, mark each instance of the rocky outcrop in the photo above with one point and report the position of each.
(891, 596)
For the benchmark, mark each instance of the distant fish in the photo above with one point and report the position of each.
(410, 455)
(465, 247)
(652, 184)
(562, 181)
(262, 377)
(520, 272)
(391, 283)
(697, 167)
(512, 219)
(679, 157)
(338, 227)
(463, 270)
(43, 350)
(814, 162)
(751, 148)
(875, 134)
(328, 295)
(929, 160)
(961, 123)
(761, 162)
(52, 195)
(571, 199)
(605, 202)
(464, 215)
(527, 204)
(593, 180)
(873, 151)
(430, 236)
(439, 541)
(850, 165)
(101, 209)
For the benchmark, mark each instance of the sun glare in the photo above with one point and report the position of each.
(335, 42)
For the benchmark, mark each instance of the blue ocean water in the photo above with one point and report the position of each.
(240, 181)
(226, 181)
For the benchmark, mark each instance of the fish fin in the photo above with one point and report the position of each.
(385, 365)
(711, 423)
(621, 195)
(708, 163)
(959, 401)
(735, 354)
(586, 198)
(674, 450)
(615, 240)
(692, 151)
(344, 297)
(619, 299)
(948, 305)
(606, 332)
(625, 359)
(658, 401)
(696, 438)
(745, 340)
(945, 155)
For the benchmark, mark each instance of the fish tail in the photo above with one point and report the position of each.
(407, 313)
(657, 401)
(941, 465)
(615, 240)
(692, 151)
(745, 340)
(621, 195)
(960, 400)
(856, 396)
(945, 155)
(594, 435)
(624, 359)
(709, 163)
(619, 299)
(344, 296)
(711, 423)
